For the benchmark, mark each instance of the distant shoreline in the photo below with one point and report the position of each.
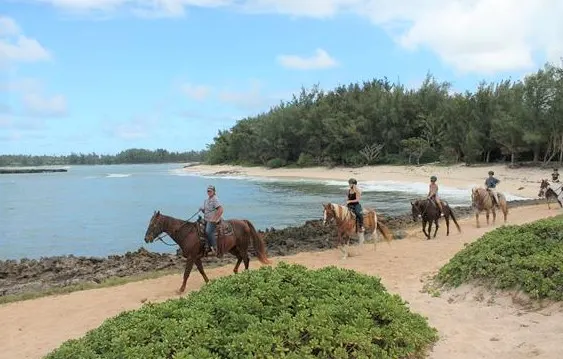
(31, 170)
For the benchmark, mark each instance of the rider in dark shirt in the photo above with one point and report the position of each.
(555, 175)
(491, 183)
(353, 202)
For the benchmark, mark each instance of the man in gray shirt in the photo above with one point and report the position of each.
(212, 212)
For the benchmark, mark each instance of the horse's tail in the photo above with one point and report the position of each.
(258, 244)
(384, 230)
(454, 219)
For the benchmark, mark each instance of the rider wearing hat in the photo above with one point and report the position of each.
(555, 175)
(212, 212)
(353, 202)
(491, 183)
(433, 193)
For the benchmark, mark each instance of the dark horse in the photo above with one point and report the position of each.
(430, 212)
(549, 191)
(191, 239)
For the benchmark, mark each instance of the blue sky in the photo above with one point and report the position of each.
(106, 75)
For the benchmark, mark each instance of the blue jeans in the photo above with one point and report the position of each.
(211, 232)
(357, 209)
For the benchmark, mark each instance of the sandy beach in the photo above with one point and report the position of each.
(471, 323)
(521, 182)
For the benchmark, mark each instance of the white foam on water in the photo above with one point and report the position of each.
(118, 175)
(416, 188)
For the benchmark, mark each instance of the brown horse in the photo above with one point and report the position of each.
(482, 200)
(429, 213)
(346, 225)
(233, 236)
(551, 190)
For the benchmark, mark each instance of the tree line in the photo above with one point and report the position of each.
(382, 122)
(130, 156)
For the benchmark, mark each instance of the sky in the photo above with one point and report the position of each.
(106, 75)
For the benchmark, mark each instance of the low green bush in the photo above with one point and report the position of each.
(283, 312)
(527, 257)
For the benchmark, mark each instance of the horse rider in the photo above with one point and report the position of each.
(555, 175)
(491, 183)
(212, 211)
(433, 193)
(353, 202)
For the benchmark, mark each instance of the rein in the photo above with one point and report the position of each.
(164, 234)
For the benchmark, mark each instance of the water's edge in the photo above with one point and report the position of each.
(36, 275)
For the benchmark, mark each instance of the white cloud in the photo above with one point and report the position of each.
(34, 100)
(45, 106)
(482, 36)
(319, 61)
(16, 47)
(196, 92)
(251, 99)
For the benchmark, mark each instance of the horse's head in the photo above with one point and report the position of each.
(154, 228)
(474, 195)
(543, 188)
(328, 213)
(415, 210)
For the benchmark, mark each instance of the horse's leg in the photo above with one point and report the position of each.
(199, 267)
(187, 271)
(494, 215)
(488, 212)
(235, 253)
(246, 261)
(477, 219)
(447, 218)
(437, 226)
(424, 228)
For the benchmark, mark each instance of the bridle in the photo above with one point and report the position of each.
(161, 236)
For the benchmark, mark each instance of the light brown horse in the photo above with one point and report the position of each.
(482, 200)
(346, 225)
(235, 239)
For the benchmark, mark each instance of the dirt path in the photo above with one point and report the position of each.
(469, 328)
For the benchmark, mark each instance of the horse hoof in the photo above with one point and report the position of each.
(181, 290)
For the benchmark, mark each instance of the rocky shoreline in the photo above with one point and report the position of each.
(37, 275)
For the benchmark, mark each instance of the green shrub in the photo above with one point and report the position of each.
(306, 160)
(276, 163)
(527, 257)
(283, 312)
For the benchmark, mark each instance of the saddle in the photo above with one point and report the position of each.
(223, 228)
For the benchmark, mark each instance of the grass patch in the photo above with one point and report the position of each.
(282, 312)
(109, 282)
(527, 257)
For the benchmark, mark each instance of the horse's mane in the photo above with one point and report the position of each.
(342, 212)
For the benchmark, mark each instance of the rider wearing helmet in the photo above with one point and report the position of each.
(433, 193)
(491, 183)
(555, 175)
(353, 202)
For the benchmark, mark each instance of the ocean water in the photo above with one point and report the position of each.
(103, 210)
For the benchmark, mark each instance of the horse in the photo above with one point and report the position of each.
(234, 236)
(429, 212)
(346, 225)
(551, 190)
(482, 200)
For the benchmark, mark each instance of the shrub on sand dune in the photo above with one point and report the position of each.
(527, 258)
(282, 312)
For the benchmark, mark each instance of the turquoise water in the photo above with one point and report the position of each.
(102, 210)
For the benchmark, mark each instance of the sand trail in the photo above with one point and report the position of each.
(470, 327)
